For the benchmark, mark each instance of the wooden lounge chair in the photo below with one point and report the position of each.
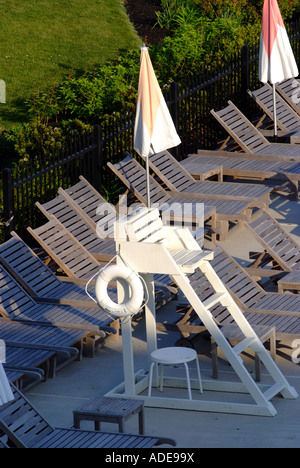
(79, 264)
(88, 202)
(281, 246)
(288, 121)
(36, 278)
(290, 91)
(85, 231)
(134, 177)
(26, 357)
(24, 380)
(66, 341)
(177, 179)
(75, 222)
(246, 166)
(261, 308)
(73, 258)
(25, 427)
(17, 304)
(3, 444)
(249, 138)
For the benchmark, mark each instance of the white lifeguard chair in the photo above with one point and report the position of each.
(146, 246)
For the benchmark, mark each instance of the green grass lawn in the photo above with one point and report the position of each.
(41, 40)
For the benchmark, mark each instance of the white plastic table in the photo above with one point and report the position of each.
(174, 356)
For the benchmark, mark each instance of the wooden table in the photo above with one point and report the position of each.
(207, 168)
(105, 409)
(291, 281)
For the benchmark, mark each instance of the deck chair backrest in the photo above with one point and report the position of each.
(287, 119)
(236, 279)
(14, 300)
(174, 176)
(146, 226)
(90, 204)
(21, 422)
(65, 250)
(241, 129)
(3, 444)
(290, 91)
(134, 177)
(27, 268)
(73, 222)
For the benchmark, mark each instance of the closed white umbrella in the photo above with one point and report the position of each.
(6, 394)
(276, 58)
(154, 129)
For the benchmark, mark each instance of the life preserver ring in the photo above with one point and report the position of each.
(130, 305)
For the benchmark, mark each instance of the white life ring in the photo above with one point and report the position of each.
(130, 305)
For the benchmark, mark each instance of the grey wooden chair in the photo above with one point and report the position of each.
(288, 121)
(35, 432)
(290, 91)
(134, 177)
(249, 138)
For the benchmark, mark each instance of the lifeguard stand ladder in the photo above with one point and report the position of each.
(148, 247)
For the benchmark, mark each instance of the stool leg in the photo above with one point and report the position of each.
(161, 377)
(141, 422)
(214, 358)
(150, 379)
(199, 376)
(188, 380)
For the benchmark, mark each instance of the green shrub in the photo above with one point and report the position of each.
(38, 139)
(93, 95)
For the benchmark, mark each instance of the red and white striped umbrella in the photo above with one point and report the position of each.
(154, 129)
(276, 58)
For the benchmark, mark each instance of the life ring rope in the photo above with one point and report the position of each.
(136, 284)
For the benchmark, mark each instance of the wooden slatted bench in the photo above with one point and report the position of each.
(114, 410)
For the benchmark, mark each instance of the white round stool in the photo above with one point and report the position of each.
(173, 356)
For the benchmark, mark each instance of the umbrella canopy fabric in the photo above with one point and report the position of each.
(154, 129)
(6, 394)
(276, 58)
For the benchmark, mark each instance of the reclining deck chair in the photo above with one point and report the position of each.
(275, 240)
(17, 305)
(79, 264)
(177, 179)
(249, 138)
(246, 166)
(74, 207)
(288, 120)
(36, 278)
(75, 222)
(259, 307)
(25, 427)
(88, 202)
(290, 91)
(134, 177)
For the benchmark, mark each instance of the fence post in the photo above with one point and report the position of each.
(174, 111)
(8, 202)
(245, 69)
(98, 156)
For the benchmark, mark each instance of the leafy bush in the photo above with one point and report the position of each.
(91, 96)
(38, 138)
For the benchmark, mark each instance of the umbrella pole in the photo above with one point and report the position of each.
(274, 111)
(148, 182)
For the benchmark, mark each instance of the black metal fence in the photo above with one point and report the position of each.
(189, 102)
